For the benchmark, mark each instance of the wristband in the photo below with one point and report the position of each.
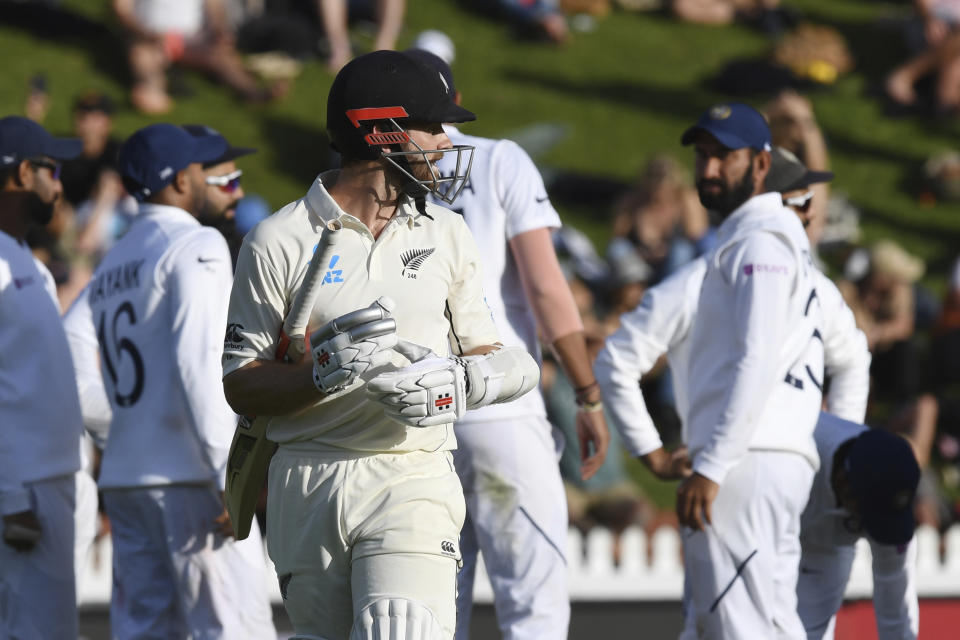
(590, 407)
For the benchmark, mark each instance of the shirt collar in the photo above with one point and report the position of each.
(153, 210)
(764, 203)
(321, 204)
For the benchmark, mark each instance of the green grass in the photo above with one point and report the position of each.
(624, 91)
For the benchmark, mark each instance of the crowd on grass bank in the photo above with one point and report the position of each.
(655, 227)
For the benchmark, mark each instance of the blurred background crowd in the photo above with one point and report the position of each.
(597, 91)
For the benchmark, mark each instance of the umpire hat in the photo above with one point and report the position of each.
(787, 173)
(231, 153)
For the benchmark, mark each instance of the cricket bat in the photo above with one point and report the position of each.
(250, 451)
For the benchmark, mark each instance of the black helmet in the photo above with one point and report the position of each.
(389, 88)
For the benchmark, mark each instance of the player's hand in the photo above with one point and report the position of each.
(668, 466)
(21, 531)
(352, 344)
(695, 497)
(429, 392)
(592, 433)
(222, 523)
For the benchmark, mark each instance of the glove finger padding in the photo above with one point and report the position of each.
(352, 344)
(428, 393)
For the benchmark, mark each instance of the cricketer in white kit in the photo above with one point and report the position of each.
(864, 489)
(365, 508)
(39, 408)
(507, 454)
(159, 303)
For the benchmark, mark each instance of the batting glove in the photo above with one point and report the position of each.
(348, 346)
(429, 392)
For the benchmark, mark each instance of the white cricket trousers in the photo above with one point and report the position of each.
(346, 529)
(37, 588)
(741, 573)
(517, 519)
(174, 577)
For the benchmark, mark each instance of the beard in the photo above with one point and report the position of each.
(728, 198)
(39, 211)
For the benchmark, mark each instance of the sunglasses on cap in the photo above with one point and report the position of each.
(41, 163)
(229, 182)
(800, 203)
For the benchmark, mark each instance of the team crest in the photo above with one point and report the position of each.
(413, 260)
(719, 112)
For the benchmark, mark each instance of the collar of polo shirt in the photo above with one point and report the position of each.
(325, 208)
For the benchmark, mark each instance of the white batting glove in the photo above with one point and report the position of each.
(429, 392)
(348, 346)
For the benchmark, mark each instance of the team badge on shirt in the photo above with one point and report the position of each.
(413, 260)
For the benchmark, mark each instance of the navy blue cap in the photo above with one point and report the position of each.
(151, 157)
(734, 124)
(22, 139)
(883, 475)
(231, 153)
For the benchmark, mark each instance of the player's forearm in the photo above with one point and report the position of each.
(895, 590)
(571, 353)
(619, 381)
(264, 388)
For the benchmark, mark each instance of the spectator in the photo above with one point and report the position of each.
(532, 18)
(663, 218)
(793, 126)
(191, 33)
(940, 56)
(883, 304)
(761, 12)
(334, 14)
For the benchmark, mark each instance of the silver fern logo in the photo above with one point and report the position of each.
(413, 260)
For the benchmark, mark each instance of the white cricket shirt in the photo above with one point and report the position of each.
(85, 351)
(39, 409)
(823, 531)
(660, 325)
(159, 306)
(426, 262)
(756, 342)
(504, 197)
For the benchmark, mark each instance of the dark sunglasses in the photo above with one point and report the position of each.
(228, 183)
(801, 203)
(40, 163)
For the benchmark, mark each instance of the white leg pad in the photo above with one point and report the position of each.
(396, 619)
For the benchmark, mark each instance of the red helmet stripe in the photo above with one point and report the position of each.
(375, 113)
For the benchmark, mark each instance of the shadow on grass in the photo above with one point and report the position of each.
(296, 150)
(683, 102)
(101, 41)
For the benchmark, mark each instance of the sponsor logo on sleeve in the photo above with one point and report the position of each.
(234, 336)
(760, 267)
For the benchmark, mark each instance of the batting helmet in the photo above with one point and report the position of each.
(388, 89)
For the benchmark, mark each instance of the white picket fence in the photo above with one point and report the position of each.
(594, 576)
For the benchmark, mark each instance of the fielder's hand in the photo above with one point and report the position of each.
(695, 497)
(668, 466)
(350, 345)
(21, 530)
(429, 392)
(592, 430)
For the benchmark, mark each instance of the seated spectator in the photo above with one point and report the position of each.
(939, 57)
(760, 12)
(190, 33)
(531, 18)
(334, 15)
(883, 303)
(794, 127)
(663, 218)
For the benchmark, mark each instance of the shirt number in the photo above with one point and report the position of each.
(116, 346)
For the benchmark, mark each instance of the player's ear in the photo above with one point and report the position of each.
(23, 177)
(181, 181)
(761, 165)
